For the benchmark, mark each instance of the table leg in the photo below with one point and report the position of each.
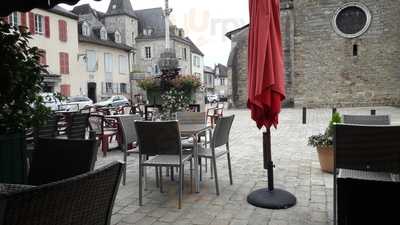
(196, 164)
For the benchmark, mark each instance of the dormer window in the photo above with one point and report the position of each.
(85, 29)
(117, 37)
(103, 33)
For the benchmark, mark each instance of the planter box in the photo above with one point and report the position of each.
(154, 97)
(325, 156)
(12, 158)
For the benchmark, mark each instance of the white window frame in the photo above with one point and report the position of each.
(108, 62)
(103, 34)
(14, 19)
(88, 65)
(147, 52)
(117, 37)
(121, 89)
(85, 29)
(123, 64)
(39, 24)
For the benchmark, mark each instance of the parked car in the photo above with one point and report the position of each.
(77, 103)
(113, 101)
(212, 98)
(50, 101)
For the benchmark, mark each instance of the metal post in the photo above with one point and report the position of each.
(304, 115)
(373, 112)
(268, 164)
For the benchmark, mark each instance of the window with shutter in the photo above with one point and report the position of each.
(65, 90)
(13, 19)
(39, 24)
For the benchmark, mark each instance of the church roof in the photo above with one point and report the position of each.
(120, 7)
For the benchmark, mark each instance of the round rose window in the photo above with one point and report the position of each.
(351, 20)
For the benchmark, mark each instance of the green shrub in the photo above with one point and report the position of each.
(21, 79)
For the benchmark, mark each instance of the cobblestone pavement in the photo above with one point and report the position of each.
(297, 170)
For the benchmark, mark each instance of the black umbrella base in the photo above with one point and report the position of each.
(275, 199)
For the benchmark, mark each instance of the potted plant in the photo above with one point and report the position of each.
(21, 106)
(188, 84)
(324, 144)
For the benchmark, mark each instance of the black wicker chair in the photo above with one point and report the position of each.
(367, 119)
(366, 157)
(77, 125)
(86, 199)
(57, 159)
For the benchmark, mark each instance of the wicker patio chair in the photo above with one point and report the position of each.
(77, 125)
(46, 130)
(129, 138)
(367, 119)
(161, 139)
(219, 138)
(85, 199)
(97, 123)
(57, 159)
(362, 149)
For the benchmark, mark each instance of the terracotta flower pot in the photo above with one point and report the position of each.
(325, 155)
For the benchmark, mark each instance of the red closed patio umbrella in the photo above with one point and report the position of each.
(266, 90)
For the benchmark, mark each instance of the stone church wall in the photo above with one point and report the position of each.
(327, 70)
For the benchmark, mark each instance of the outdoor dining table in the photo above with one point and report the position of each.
(194, 130)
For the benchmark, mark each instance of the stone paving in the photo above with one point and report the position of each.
(297, 170)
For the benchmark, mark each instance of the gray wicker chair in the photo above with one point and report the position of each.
(86, 199)
(129, 138)
(219, 138)
(57, 159)
(366, 148)
(367, 119)
(191, 118)
(161, 140)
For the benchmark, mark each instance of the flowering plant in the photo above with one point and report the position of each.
(325, 139)
(174, 101)
(186, 83)
(149, 84)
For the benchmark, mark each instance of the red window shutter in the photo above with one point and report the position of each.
(31, 23)
(66, 63)
(62, 30)
(65, 31)
(65, 90)
(47, 26)
(23, 19)
(61, 63)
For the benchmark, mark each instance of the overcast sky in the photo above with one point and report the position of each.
(204, 21)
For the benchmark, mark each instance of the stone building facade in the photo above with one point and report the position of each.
(337, 53)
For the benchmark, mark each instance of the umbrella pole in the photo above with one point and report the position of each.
(270, 197)
(268, 164)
